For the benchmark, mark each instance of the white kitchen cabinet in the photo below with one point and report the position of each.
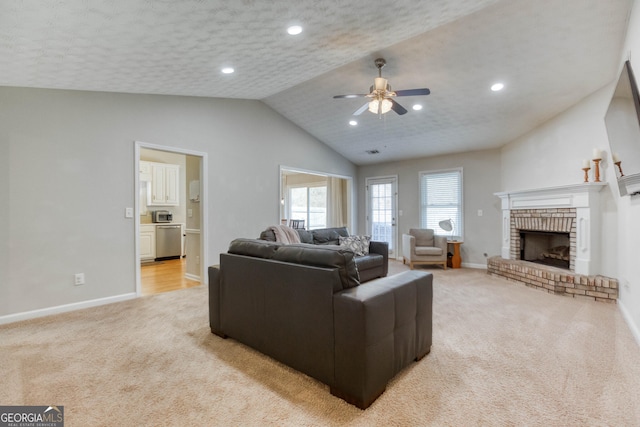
(145, 171)
(147, 242)
(165, 180)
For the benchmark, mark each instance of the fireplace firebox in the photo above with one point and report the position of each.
(546, 247)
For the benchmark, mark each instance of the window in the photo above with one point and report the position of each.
(441, 199)
(310, 204)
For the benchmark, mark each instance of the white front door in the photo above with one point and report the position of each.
(382, 199)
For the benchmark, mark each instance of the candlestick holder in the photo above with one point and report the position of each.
(597, 171)
(586, 174)
(618, 164)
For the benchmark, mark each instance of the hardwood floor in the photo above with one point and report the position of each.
(165, 276)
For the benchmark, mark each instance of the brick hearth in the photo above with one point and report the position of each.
(555, 280)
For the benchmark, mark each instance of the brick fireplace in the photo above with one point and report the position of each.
(567, 220)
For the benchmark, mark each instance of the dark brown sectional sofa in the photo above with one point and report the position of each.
(371, 266)
(303, 305)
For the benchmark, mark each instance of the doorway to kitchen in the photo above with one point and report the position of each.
(170, 189)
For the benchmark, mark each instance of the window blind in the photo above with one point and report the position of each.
(441, 199)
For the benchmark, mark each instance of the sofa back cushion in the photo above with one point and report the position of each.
(424, 236)
(329, 236)
(268, 235)
(254, 247)
(326, 256)
(306, 236)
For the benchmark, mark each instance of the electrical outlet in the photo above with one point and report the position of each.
(79, 279)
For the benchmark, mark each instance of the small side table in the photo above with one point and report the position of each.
(455, 260)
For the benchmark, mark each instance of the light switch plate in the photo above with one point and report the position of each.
(128, 212)
(480, 212)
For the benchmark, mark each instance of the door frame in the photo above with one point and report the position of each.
(204, 209)
(350, 187)
(368, 223)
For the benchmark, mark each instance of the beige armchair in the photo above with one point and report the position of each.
(421, 246)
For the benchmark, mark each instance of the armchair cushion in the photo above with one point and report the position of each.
(427, 250)
(424, 236)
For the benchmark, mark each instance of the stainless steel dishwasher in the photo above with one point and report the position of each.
(168, 241)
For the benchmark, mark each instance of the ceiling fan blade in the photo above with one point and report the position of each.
(397, 107)
(355, 95)
(413, 92)
(361, 109)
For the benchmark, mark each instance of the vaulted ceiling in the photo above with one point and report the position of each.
(549, 54)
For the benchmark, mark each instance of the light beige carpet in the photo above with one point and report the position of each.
(502, 355)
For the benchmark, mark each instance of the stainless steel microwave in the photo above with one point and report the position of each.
(161, 216)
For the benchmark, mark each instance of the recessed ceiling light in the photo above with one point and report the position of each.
(417, 107)
(294, 30)
(497, 86)
(228, 70)
(353, 123)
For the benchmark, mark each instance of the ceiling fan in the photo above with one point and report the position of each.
(382, 96)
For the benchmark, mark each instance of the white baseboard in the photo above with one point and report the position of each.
(464, 264)
(10, 318)
(471, 265)
(192, 277)
(632, 326)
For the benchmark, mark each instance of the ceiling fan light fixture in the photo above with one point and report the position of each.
(375, 107)
(380, 84)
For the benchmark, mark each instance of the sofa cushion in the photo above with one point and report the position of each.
(254, 247)
(424, 236)
(358, 244)
(369, 261)
(268, 234)
(306, 236)
(329, 236)
(327, 256)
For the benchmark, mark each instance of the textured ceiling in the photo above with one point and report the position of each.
(549, 53)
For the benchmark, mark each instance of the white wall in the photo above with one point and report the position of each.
(629, 208)
(552, 155)
(67, 162)
(481, 175)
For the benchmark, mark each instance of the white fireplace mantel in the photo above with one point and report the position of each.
(583, 197)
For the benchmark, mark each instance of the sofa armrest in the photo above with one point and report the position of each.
(408, 246)
(214, 300)
(381, 248)
(379, 329)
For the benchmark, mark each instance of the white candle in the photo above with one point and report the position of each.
(616, 159)
(596, 154)
(586, 164)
